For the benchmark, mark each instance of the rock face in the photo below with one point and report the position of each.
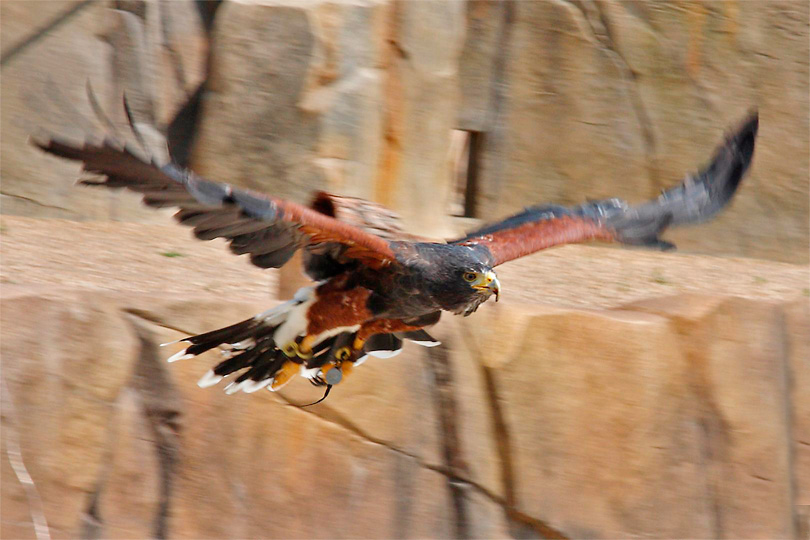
(670, 418)
(355, 97)
(51, 52)
(572, 100)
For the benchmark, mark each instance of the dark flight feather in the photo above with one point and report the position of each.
(213, 208)
(383, 342)
(417, 335)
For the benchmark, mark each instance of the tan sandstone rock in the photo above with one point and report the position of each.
(352, 97)
(671, 423)
(797, 321)
(739, 362)
(64, 363)
(674, 417)
(68, 45)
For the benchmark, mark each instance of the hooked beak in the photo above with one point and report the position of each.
(488, 283)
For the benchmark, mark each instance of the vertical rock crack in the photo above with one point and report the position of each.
(15, 458)
(598, 24)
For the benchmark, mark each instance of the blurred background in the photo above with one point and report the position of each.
(611, 393)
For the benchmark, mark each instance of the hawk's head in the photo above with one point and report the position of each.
(459, 278)
(481, 283)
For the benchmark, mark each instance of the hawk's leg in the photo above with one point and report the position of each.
(305, 347)
(287, 371)
(371, 338)
(346, 356)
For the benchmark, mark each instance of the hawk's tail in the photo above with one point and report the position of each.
(252, 347)
(248, 347)
(250, 351)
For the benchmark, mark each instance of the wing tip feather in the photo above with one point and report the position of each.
(733, 159)
(743, 137)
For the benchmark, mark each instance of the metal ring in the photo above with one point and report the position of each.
(290, 349)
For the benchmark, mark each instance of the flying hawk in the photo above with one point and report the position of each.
(375, 285)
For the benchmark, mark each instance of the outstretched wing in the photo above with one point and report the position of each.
(267, 228)
(698, 198)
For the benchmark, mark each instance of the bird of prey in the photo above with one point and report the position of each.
(376, 286)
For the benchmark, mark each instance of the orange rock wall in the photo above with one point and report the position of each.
(676, 417)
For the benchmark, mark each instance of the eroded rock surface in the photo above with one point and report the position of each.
(675, 417)
(153, 51)
(572, 100)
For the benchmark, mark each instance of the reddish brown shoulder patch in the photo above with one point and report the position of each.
(336, 307)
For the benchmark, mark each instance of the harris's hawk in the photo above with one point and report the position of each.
(375, 286)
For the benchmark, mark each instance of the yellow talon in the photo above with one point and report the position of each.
(284, 374)
(346, 368)
(358, 343)
(305, 347)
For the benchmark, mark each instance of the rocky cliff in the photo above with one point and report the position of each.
(568, 100)
(679, 417)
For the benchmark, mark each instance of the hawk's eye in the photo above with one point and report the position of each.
(469, 276)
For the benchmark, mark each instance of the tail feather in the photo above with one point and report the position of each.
(251, 353)
(235, 363)
(249, 347)
(209, 379)
(264, 367)
(231, 334)
(251, 386)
